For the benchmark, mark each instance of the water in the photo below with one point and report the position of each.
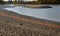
(43, 13)
(8, 5)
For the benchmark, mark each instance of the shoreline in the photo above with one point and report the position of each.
(15, 24)
(36, 5)
(34, 18)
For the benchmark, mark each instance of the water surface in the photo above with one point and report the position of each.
(43, 13)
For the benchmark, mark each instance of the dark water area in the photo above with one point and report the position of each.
(42, 13)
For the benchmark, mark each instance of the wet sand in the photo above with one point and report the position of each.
(13, 24)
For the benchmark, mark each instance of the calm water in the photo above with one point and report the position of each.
(43, 13)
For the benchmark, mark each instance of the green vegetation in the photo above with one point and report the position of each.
(1, 2)
(44, 2)
(33, 2)
(48, 1)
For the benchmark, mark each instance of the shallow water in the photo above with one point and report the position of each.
(43, 13)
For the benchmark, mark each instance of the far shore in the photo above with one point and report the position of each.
(36, 5)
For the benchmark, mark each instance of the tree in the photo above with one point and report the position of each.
(1, 1)
(48, 1)
(10, 1)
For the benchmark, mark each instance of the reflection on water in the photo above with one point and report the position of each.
(48, 13)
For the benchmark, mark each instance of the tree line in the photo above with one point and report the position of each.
(48, 1)
(38, 2)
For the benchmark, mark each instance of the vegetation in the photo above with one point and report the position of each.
(1, 2)
(44, 2)
(34, 2)
(48, 1)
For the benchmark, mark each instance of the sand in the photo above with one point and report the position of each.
(13, 24)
